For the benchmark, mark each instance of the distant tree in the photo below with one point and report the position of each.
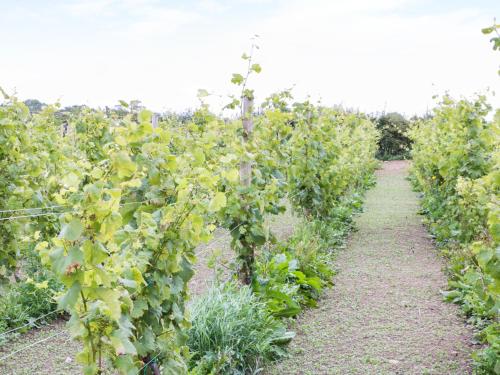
(186, 116)
(136, 106)
(34, 105)
(64, 114)
(124, 108)
(393, 143)
(73, 109)
(426, 116)
(183, 117)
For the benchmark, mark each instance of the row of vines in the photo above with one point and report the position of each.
(115, 207)
(456, 165)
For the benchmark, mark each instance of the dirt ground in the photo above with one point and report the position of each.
(281, 226)
(385, 313)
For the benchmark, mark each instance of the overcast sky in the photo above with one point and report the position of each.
(373, 55)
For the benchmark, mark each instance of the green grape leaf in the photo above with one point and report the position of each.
(72, 231)
(237, 79)
(69, 299)
(123, 164)
(256, 68)
(218, 202)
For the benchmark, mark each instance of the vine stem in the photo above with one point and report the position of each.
(87, 326)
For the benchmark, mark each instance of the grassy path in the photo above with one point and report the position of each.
(385, 314)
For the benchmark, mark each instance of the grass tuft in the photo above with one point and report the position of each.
(233, 333)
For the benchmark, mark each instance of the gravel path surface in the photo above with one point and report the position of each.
(385, 314)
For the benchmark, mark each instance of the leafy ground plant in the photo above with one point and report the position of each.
(233, 333)
(293, 274)
(456, 166)
(29, 302)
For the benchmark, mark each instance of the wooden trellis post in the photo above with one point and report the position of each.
(155, 117)
(247, 254)
(246, 167)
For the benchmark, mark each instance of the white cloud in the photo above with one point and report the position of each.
(90, 7)
(156, 22)
(367, 54)
(213, 6)
(135, 19)
(354, 53)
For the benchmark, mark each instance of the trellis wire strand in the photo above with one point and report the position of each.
(30, 323)
(31, 209)
(31, 345)
(56, 213)
(147, 364)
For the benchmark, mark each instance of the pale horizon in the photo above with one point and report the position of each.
(373, 56)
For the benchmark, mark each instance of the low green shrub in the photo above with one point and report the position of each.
(25, 303)
(393, 143)
(233, 332)
(487, 360)
(456, 166)
(293, 274)
(285, 288)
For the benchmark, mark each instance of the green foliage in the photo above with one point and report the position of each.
(18, 167)
(247, 206)
(331, 156)
(394, 142)
(281, 283)
(28, 303)
(486, 360)
(124, 252)
(292, 275)
(30, 159)
(257, 191)
(495, 40)
(456, 164)
(129, 203)
(233, 333)
(34, 105)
